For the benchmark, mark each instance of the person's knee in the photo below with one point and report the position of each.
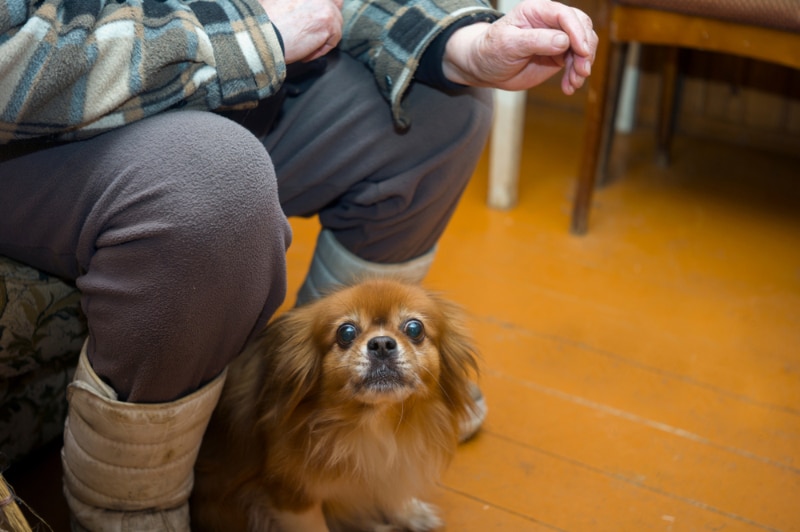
(216, 210)
(462, 114)
(451, 131)
(400, 212)
(191, 235)
(480, 105)
(197, 182)
(464, 128)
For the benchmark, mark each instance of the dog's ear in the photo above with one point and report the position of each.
(293, 362)
(458, 354)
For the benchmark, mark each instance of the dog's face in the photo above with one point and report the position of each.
(377, 342)
(382, 342)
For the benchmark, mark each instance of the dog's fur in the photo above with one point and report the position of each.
(316, 432)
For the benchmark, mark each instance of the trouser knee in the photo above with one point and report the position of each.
(189, 255)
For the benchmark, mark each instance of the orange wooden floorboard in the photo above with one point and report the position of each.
(645, 376)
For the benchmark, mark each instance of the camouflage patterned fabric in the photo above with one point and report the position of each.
(42, 330)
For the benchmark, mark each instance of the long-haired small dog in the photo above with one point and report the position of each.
(339, 416)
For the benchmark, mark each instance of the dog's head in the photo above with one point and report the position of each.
(385, 341)
(377, 342)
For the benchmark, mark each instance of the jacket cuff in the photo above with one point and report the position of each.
(394, 78)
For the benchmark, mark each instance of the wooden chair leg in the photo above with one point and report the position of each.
(616, 70)
(668, 107)
(595, 118)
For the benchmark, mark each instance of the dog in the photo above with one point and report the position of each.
(340, 416)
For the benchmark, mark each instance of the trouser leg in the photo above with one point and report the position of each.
(385, 195)
(173, 232)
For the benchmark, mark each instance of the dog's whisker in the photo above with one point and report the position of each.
(400, 419)
(438, 383)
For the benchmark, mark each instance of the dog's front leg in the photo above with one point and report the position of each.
(310, 520)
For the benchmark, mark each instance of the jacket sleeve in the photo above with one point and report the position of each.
(72, 69)
(390, 37)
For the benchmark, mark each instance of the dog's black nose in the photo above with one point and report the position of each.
(382, 347)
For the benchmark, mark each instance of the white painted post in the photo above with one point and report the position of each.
(506, 148)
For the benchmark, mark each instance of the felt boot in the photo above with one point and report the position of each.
(129, 466)
(333, 265)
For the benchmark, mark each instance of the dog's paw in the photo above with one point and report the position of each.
(416, 516)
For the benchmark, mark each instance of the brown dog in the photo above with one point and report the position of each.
(339, 416)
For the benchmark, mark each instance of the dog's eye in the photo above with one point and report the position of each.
(346, 334)
(414, 330)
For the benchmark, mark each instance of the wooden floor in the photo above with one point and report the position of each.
(645, 376)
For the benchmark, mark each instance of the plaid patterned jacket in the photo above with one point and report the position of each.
(70, 69)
